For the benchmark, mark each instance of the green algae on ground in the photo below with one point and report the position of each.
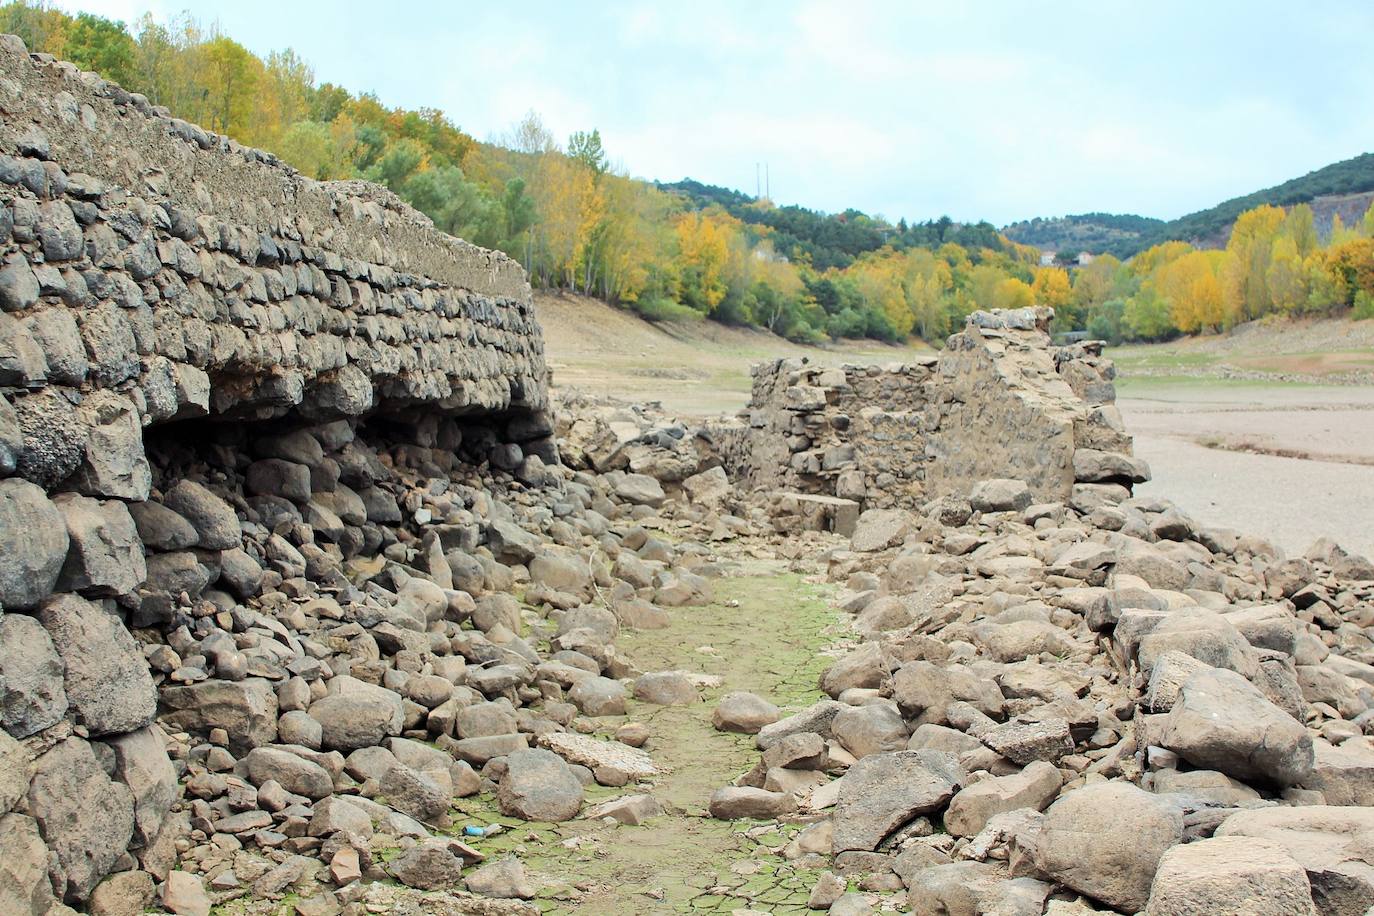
(763, 633)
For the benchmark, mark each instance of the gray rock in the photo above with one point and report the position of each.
(357, 714)
(1230, 874)
(599, 696)
(666, 688)
(1000, 495)
(11, 439)
(184, 895)
(1106, 840)
(86, 820)
(246, 710)
(539, 786)
(1324, 840)
(878, 529)
(1222, 722)
(627, 809)
(275, 477)
(734, 802)
(142, 764)
(34, 538)
(114, 463)
(24, 885)
(160, 528)
(32, 695)
(743, 712)
(972, 808)
(109, 689)
(18, 285)
(105, 556)
(428, 865)
(419, 794)
(504, 878)
(874, 728)
(56, 333)
(291, 771)
(882, 792)
(213, 519)
(640, 489)
(924, 691)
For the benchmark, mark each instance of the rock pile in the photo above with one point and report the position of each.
(1091, 701)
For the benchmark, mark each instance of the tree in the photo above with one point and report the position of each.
(1052, 288)
(103, 45)
(586, 149)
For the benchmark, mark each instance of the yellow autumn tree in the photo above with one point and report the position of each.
(702, 250)
(1192, 290)
(1245, 277)
(1052, 288)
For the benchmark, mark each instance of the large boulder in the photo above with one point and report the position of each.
(357, 714)
(87, 820)
(106, 555)
(214, 520)
(882, 792)
(142, 764)
(539, 786)
(1230, 874)
(32, 696)
(1326, 841)
(878, 529)
(246, 710)
(33, 538)
(1222, 722)
(291, 771)
(107, 681)
(924, 691)
(1106, 840)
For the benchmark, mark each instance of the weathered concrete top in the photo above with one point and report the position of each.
(188, 275)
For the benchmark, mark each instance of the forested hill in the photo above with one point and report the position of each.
(1124, 235)
(832, 240)
(1120, 234)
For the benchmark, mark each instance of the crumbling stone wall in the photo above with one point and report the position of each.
(999, 401)
(151, 272)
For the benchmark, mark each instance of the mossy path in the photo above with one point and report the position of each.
(763, 634)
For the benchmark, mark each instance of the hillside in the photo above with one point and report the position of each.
(1112, 233)
(694, 368)
(1345, 187)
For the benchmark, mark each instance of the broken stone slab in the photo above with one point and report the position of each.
(884, 791)
(611, 762)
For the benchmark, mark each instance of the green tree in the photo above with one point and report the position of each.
(103, 45)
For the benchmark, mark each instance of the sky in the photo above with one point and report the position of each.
(989, 110)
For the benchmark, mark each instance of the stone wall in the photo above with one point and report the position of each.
(998, 401)
(156, 278)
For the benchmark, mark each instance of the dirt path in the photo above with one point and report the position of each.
(764, 633)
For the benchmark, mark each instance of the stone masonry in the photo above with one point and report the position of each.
(999, 401)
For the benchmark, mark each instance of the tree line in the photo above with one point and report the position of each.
(579, 221)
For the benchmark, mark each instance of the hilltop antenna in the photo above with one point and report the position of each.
(767, 188)
(756, 181)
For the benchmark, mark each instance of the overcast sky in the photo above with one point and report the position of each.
(988, 110)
